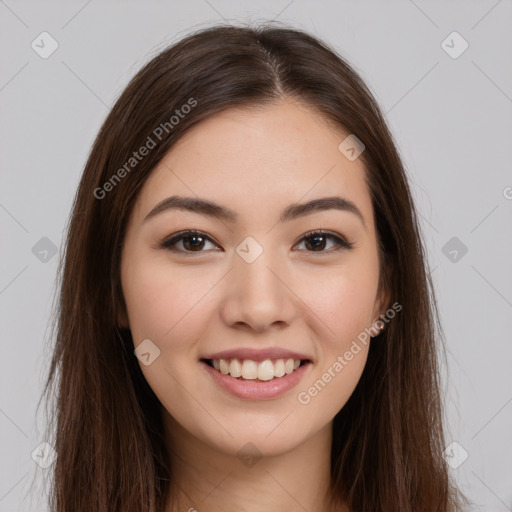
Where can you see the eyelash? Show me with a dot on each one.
(169, 242)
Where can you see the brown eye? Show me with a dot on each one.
(317, 241)
(188, 242)
(191, 241)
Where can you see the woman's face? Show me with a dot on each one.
(253, 288)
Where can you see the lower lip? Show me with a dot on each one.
(257, 389)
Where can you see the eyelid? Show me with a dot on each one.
(168, 242)
(341, 241)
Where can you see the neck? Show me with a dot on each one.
(204, 478)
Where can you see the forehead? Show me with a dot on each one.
(259, 157)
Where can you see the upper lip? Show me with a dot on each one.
(258, 354)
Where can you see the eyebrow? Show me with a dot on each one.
(291, 212)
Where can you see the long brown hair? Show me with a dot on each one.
(105, 422)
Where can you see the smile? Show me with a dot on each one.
(256, 380)
(248, 369)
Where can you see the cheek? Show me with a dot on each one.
(161, 303)
(345, 306)
(351, 307)
(343, 300)
(170, 309)
(332, 385)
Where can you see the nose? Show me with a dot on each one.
(258, 296)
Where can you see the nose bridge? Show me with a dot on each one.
(259, 276)
(257, 294)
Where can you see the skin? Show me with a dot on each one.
(256, 161)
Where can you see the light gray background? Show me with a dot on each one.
(452, 119)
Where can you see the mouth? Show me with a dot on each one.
(252, 380)
(247, 369)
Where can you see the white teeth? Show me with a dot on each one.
(251, 370)
(266, 370)
(224, 366)
(235, 368)
(279, 368)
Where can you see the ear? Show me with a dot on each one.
(381, 303)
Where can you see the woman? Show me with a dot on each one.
(245, 318)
